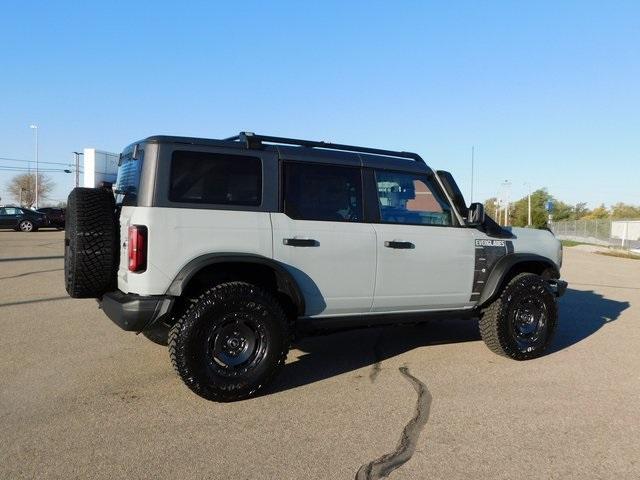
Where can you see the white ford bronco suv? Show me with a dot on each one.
(226, 249)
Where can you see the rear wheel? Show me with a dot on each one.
(231, 342)
(521, 322)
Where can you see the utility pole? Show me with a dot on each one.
(505, 186)
(77, 154)
(528, 185)
(35, 128)
(529, 216)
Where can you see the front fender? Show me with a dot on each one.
(501, 271)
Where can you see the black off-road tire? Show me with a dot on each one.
(224, 308)
(498, 323)
(91, 243)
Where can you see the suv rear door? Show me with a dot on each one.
(425, 261)
(321, 238)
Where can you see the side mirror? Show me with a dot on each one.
(476, 215)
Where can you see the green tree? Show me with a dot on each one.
(580, 210)
(561, 210)
(520, 209)
(490, 207)
(597, 213)
(624, 211)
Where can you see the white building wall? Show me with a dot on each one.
(626, 230)
(99, 166)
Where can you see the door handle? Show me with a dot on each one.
(399, 244)
(300, 242)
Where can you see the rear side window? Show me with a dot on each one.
(200, 177)
(323, 192)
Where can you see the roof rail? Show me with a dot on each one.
(251, 140)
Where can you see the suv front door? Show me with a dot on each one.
(321, 237)
(425, 262)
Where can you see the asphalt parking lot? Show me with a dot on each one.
(80, 398)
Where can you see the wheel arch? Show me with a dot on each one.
(213, 263)
(511, 265)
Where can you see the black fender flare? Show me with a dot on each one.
(502, 268)
(285, 281)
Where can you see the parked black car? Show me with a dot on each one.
(55, 216)
(23, 219)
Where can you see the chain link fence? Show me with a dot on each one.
(623, 234)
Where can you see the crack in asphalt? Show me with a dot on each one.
(22, 259)
(37, 300)
(382, 466)
(31, 273)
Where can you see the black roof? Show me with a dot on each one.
(297, 149)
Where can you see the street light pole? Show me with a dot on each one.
(505, 189)
(35, 128)
(528, 185)
(77, 154)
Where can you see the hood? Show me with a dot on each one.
(537, 241)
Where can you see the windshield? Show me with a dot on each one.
(128, 180)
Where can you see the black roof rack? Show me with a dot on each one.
(251, 140)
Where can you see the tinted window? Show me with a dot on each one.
(198, 177)
(128, 179)
(412, 199)
(323, 192)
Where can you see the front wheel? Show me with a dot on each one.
(231, 342)
(521, 322)
(27, 226)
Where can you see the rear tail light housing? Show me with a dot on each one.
(137, 248)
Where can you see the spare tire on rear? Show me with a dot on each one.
(91, 254)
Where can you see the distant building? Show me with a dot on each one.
(99, 166)
(627, 231)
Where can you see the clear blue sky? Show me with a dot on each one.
(548, 92)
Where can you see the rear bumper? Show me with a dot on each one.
(558, 287)
(135, 312)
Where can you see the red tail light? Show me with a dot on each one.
(137, 248)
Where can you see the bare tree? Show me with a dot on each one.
(23, 188)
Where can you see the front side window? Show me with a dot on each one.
(200, 177)
(322, 192)
(411, 199)
(9, 211)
